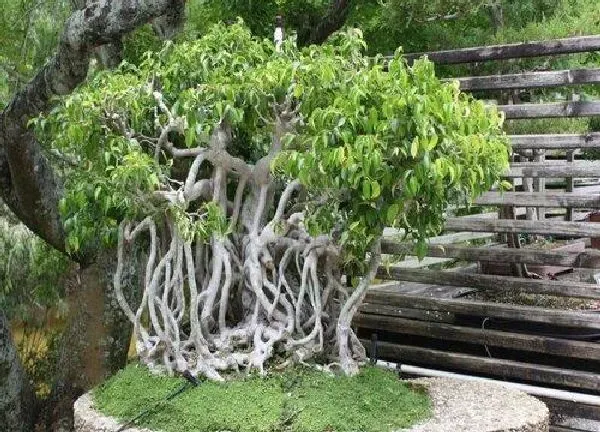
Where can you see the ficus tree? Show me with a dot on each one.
(256, 179)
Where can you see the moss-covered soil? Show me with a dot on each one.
(299, 400)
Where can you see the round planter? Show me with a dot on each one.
(458, 406)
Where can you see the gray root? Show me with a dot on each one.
(293, 304)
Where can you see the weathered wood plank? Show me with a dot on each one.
(573, 229)
(570, 186)
(420, 314)
(492, 282)
(545, 199)
(530, 80)
(588, 259)
(490, 366)
(554, 169)
(571, 409)
(429, 290)
(555, 142)
(508, 51)
(517, 341)
(456, 237)
(555, 428)
(561, 318)
(551, 110)
(414, 262)
(539, 184)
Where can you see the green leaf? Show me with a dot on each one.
(366, 189)
(414, 147)
(190, 137)
(375, 189)
(392, 213)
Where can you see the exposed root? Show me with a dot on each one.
(260, 290)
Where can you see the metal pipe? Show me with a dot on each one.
(529, 389)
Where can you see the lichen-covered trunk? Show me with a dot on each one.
(96, 340)
(17, 400)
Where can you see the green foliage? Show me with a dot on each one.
(301, 400)
(32, 296)
(30, 274)
(386, 148)
(29, 31)
(259, 16)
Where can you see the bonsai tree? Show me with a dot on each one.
(256, 179)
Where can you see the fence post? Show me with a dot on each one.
(278, 34)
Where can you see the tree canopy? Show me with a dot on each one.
(280, 168)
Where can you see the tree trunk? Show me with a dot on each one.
(17, 400)
(497, 15)
(96, 340)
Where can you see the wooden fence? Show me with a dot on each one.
(437, 318)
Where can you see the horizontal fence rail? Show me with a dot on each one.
(539, 199)
(513, 369)
(547, 227)
(554, 170)
(550, 110)
(511, 51)
(530, 80)
(586, 259)
(401, 302)
(489, 282)
(555, 142)
(503, 339)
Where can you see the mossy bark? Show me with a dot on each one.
(96, 340)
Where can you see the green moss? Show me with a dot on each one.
(300, 400)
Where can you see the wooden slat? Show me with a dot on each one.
(508, 51)
(587, 259)
(489, 366)
(551, 110)
(572, 409)
(573, 229)
(419, 314)
(516, 341)
(570, 186)
(555, 428)
(429, 290)
(554, 170)
(492, 282)
(414, 262)
(555, 142)
(561, 318)
(531, 80)
(456, 237)
(545, 199)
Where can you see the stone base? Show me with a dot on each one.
(458, 406)
(469, 406)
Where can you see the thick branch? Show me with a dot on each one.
(27, 181)
(330, 23)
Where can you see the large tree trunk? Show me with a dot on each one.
(96, 340)
(17, 400)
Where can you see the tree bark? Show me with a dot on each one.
(96, 340)
(330, 23)
(17, 400)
